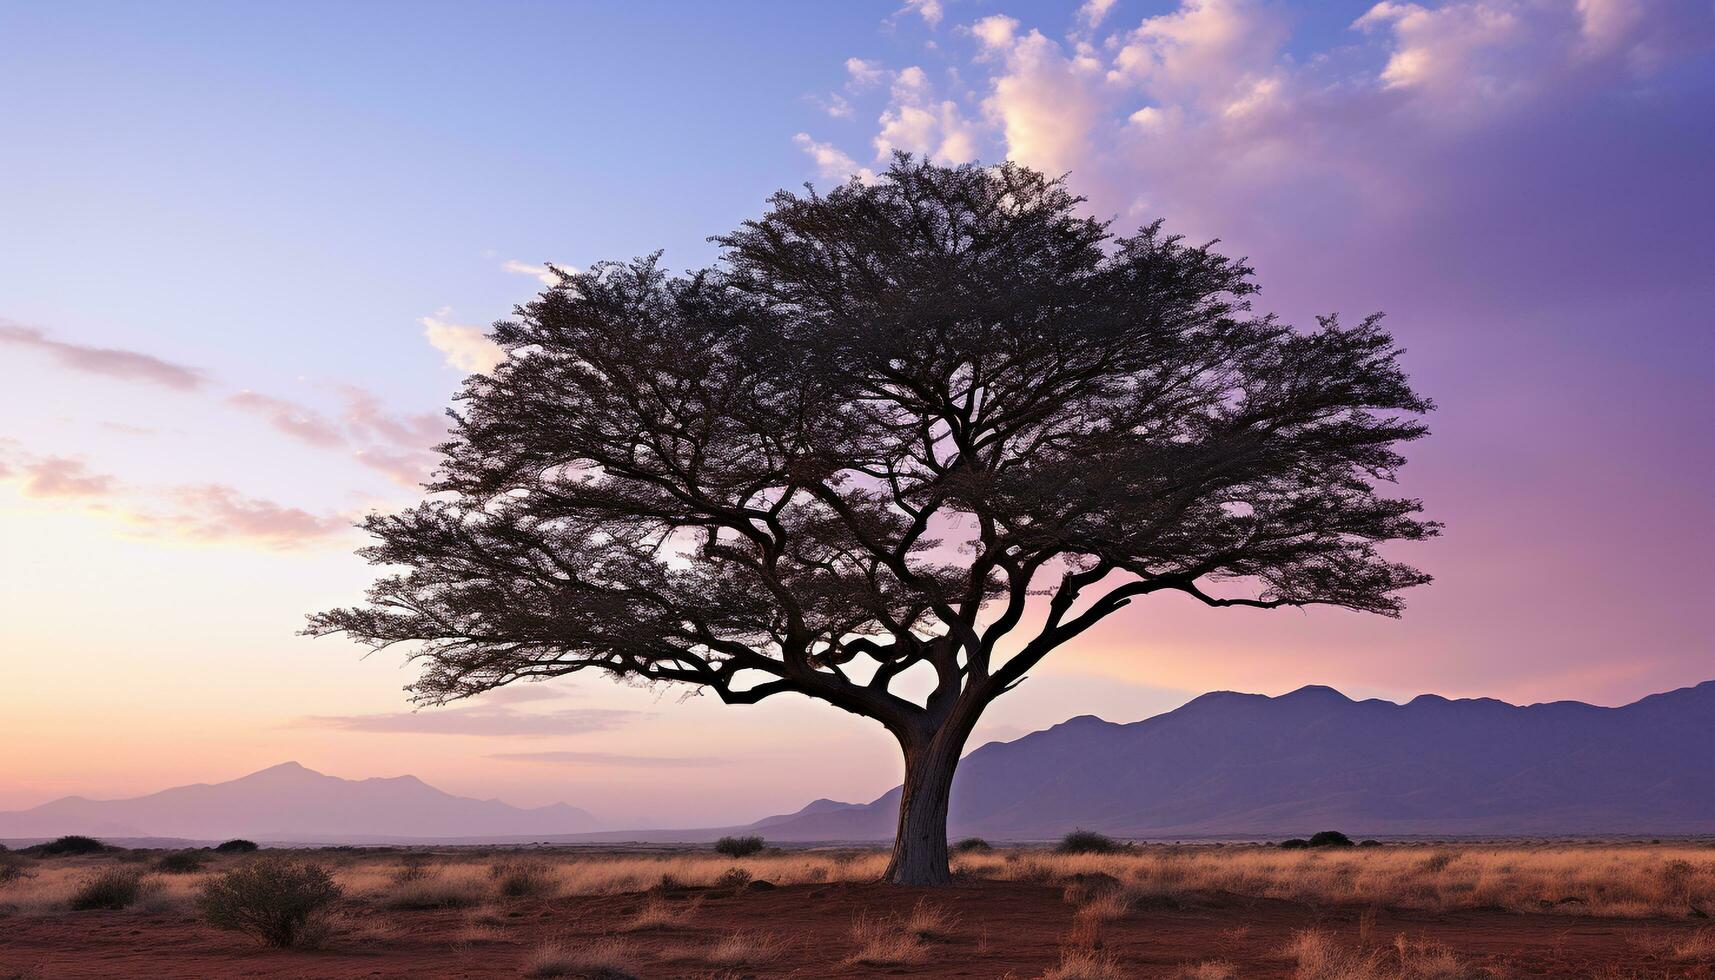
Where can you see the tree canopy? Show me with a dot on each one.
(861, 442)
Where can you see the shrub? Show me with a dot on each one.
(1329, 838)
(972, 845)
(237, 846)
(13, 869)
(71, 844)
(114, 888)
(1088, 842)
(1369, 843)
(738, 847)
(524, 879)
(275, 899)
(181, 863)
(885, 942)
(733, 878)
(1294, 844)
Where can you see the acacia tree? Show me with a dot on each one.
(842, 461)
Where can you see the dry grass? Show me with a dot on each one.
(659, 913)
(1626, 881)
(745, 949)
(1083, 963)
(1319, 956)
(604, 959)
(886, 941)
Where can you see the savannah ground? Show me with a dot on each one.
(1203, 911)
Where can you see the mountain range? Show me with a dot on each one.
(1245, 764)
(288, 802)
(1224, 764)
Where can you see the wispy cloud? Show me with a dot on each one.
(480, 719)
(288, 417)
(112, 362)
(57, 477)
(542, 271)
(464, 347)
(216, 512)
(610, 760)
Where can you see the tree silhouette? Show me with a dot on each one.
(840, 463)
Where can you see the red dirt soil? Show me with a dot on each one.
(997, 928)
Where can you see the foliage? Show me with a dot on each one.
(14, 868)
(738, 847)
(181, 862)
(275, 899)
(972, 845)
(236, 846)
(862, 440)
(70, 845)
(114, 888)
(1089, 842)
(733, 878)
(524, 879)
(1329, 838)
(1294, 844)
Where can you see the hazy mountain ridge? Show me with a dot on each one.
(1228, 763)
(290, 802)
(1222, 764)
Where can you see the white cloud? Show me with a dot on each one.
(1046, 104)
(1093, 12)
(832, 162)
(466, 348)
(930, 10)
(864, 74)
(540, 270)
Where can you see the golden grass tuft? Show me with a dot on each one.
(603, 959)
(886, 941)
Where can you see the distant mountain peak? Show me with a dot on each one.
(291, 802)
(1316, 692)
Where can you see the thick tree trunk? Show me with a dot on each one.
(920, 845)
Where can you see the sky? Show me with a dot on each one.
(247, 252)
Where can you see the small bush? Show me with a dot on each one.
(236, 846)
(72, 844)
(1088, 842)
(181, 863)
(1329, 838)
(972, 845)
(275, 899)
(1369, 843)
(114, 888)
(733, 878)
(738, 847)
(13, 869)
(1294, 844)
(524, 879)
(885, 942)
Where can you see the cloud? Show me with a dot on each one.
(609, 760)
(219, 513)
(294, 420)
(56, 477)
(864, 74)
(464, 347)
(930, 10)
(1047, 103)
(126, 365)
(479, 719)
(1093, 12)
(544, 272)
(831, 162)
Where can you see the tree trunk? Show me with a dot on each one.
(920, 844)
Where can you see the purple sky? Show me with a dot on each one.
(249, 253)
